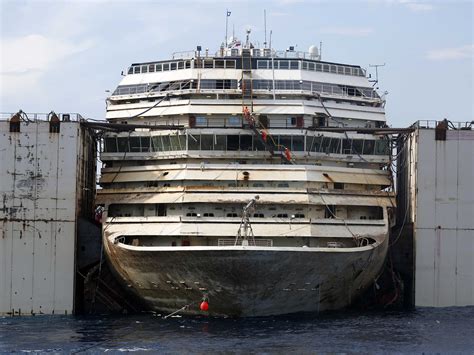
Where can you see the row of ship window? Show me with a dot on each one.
(255, 215)
(245, 143)
(312, 66)
(210, 84)
(280, 64)
(114, 211)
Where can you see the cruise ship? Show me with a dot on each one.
(253, 179)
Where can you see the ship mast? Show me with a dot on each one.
(245, 232)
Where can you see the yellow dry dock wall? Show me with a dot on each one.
(38, 194)
(443, 201)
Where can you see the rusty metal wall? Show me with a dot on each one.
(439, 184)
(42, 183)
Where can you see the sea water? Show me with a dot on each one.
(423, 330)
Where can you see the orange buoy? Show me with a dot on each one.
(204, 306)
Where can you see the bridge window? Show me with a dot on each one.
(207, 142)
(298, 143)
(201, 121)
(219, 143)
(233, 142)
(122, 143)
(357, 145)
(110, 145)
(369, 146)
(245, 142)
(382, 147)
(334, 145)
(313, 144)
(134, 143)
(262, 64)
(234, 121)
(230, 64)
(330, 211)
(145, 144)
(284, 64)
(194, 141)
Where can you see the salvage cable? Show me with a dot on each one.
(204, 306)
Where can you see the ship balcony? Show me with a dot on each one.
(235, 143)
(202, 231)
(285, 89)
(277, 242)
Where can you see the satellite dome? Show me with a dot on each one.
(313, 51)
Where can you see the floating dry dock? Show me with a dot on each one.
(435, 189)
(47, 189)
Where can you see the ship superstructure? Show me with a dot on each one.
(203, 136)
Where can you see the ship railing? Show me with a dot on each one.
(227, 242)
(295, 55)
(34, 117)
(268, 53)
(184, 55)
(451, 125)
(329, 91)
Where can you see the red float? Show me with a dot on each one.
(204, 306)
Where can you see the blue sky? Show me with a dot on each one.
(64, 55)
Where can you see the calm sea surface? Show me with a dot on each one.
(423, 330)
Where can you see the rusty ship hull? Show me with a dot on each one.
(245, 281)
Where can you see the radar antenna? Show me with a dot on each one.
(376, 66)
(245, 233)
(247, 38)
(265, 27)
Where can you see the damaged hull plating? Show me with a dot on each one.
(260, 195)
(247, 281)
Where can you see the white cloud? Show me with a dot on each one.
(418, 7)
(25, 59)
(348, 31)
(36, 52)
(462, 52)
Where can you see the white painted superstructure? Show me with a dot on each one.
(203, 135)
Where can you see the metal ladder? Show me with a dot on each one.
(247, 103)
(246, 81)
